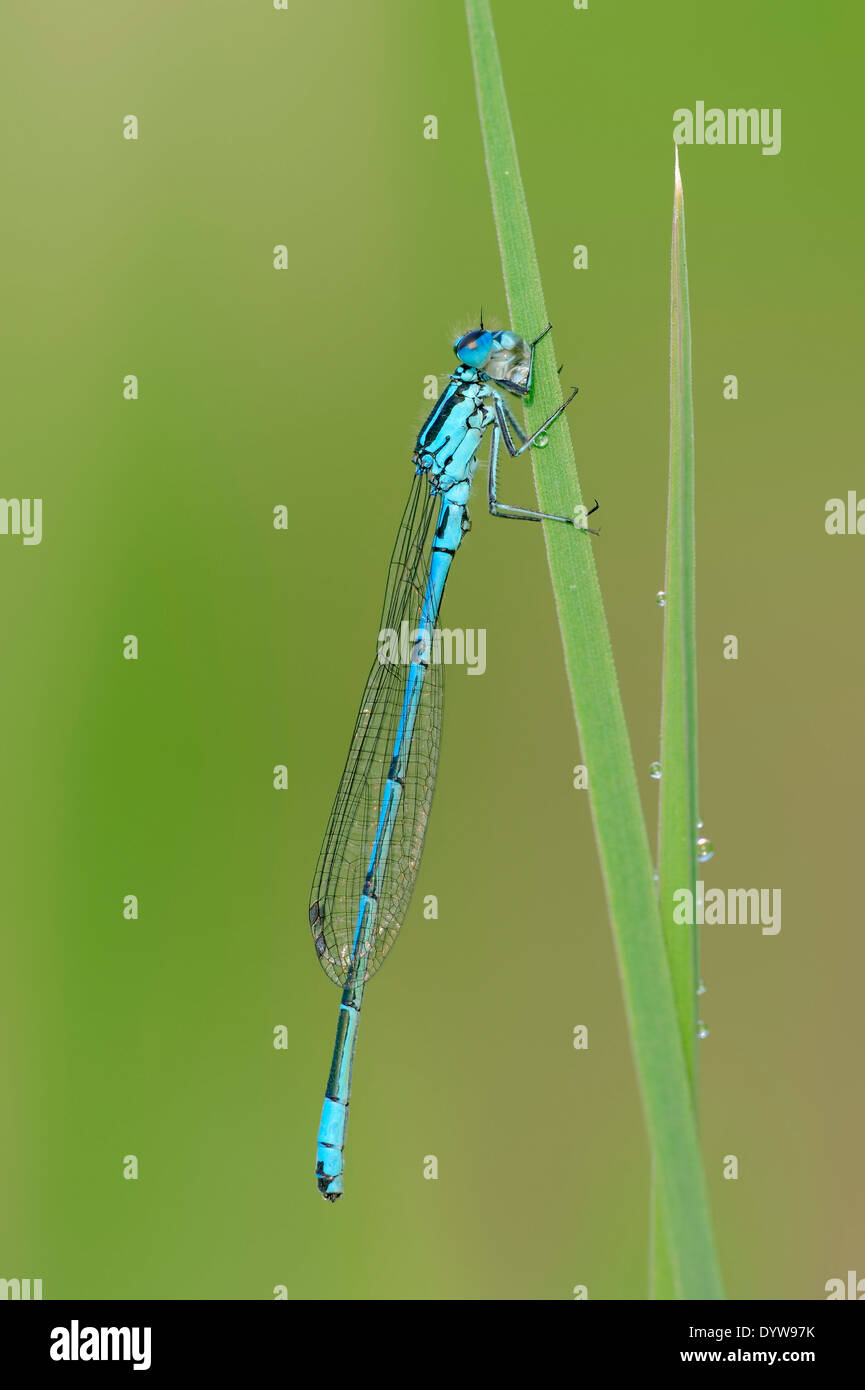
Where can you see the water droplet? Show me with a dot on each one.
(701, 988)
(699, 825)
(542, 441)
(705, 850)
(655, 771)
(661, 598)
(702, 1030)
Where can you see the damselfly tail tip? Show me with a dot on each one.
(329, 1184)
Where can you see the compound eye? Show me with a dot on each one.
(474, 348)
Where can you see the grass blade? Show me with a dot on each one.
(677, 856)
(619, 825)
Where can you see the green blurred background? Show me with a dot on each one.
(305, 387)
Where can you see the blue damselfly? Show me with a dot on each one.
(371, 852)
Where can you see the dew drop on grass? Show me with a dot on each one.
(661, 598)
(701, 988)
(542, 441)
(705, 850)
(655, 771)
(702, 1030)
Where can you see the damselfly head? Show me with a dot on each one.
(500, 354)
(474, 348)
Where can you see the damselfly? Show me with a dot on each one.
(371, 852)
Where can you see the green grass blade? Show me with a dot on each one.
(677, 857)
(679, 814)
(619, 825)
